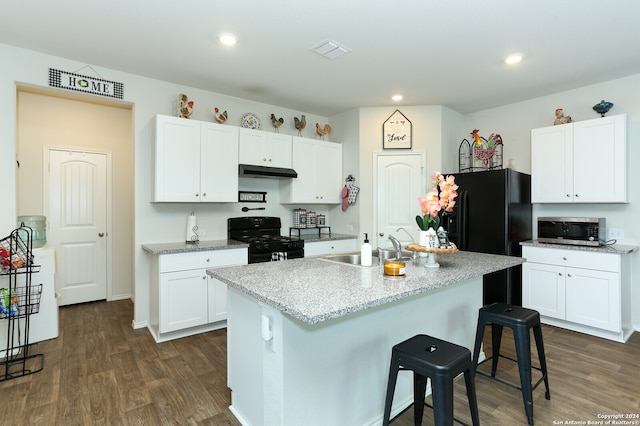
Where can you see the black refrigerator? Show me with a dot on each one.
(493, 215)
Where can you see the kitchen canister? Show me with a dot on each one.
(38, 225)
(312, 220)
(299, 218)
(321, 219)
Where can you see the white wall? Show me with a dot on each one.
(515, 121)
(153, 222)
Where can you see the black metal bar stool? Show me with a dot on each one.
(520, 320)
(440, 361)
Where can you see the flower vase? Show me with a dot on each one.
(424, 242)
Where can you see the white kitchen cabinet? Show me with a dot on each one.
(320, 248)
(262, 148)
(195, 161)
(579, 290)
(184, 299)
(581, 162)
(319, 167)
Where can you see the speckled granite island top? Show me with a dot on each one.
(314, 290)
(614, 248)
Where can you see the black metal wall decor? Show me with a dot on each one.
(396, 132)
(484, 155)
(82, 83)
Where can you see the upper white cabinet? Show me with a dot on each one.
(261, 148)
(581, 162)
(195, 161)
(319, 167)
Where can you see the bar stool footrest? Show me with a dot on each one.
(504, 382)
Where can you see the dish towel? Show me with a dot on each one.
(345, 198)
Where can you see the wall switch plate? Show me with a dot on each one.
(615, 234)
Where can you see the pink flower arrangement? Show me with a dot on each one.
(437, 202)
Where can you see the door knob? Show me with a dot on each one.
(100, 234)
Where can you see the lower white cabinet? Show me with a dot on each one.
(186, 300)
(321, 248)
(584, 291)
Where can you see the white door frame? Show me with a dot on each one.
(376, 155)
(45, 201)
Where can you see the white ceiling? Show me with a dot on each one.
(434, 52)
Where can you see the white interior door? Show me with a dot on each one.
(77, 216)
(400, 180)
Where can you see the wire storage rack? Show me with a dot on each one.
(19, 299)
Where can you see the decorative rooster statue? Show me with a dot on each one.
(561, 118)
(322, 131)
(185, 106)
(476, 138)
(300, 123)
(220, 117)
(277, 122)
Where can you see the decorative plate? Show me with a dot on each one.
(250, 121)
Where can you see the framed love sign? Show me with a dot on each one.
(396, 132)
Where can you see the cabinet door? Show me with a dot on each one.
(329, 172)
(279, 150)
(600, 160)
(219, 163)
(543, 289)
(253, 147)
(319, 248)
(177, 159)
(217, 297)
(303, 188)
(182, 300)
(552, 164)
(593, 298)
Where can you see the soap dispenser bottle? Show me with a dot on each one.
(365, 252)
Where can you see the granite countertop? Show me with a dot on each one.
(314, 290)
(614, 249)
(183, 247)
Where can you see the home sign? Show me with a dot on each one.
(396, 132)
(82, 83)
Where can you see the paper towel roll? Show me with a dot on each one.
(192, 229)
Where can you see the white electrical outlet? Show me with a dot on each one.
(615, 233)
(349, 227)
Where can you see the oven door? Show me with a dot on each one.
(276, 256)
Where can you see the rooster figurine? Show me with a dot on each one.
(220, 117)
(561, 118)
(185, 106)
(322, 131)
(476, 138)
(300, 123)
(277, 122)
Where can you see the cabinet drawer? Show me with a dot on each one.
(572, 258)
(329, 247)
(202, 259)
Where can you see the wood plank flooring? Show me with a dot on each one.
(100, 371)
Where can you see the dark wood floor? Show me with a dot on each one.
(101, 371)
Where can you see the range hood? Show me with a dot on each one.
(249, 170)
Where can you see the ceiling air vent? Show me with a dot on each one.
(330, 49)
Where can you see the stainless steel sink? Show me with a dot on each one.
(348, 258)
(354, 258)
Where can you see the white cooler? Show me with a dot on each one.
(44, 324)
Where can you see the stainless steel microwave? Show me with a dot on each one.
(580, 231)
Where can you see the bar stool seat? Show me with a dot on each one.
(441, 361)
(521, 321)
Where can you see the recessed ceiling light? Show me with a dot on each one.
(228, 39)
(513, 59)
(396, 97)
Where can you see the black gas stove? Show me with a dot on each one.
(262, 233)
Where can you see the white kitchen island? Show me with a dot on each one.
(309, 341)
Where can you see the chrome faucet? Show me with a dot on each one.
(414, 255)
(406, 232)
(397, 246)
